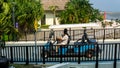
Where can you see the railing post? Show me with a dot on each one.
(43, 55)
(115, 52)
(70, 32)
(78, 54)
(94, 33)
(73, 35)
(11, 53)
(96, 65)
(60, 54)
(27, 57)
(104, 36)
(44, 35)
(114, 33)
(35, 47)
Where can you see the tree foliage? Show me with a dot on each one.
(25, 13)
(79, 11)
(5, 18)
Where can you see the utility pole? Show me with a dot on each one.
(36, 28)
(13, 17)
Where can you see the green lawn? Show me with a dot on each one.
(22, 66)
(30, 65)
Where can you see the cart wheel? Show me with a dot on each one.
(46, 55)
(89, 54)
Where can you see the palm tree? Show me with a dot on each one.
(26, 13)
(53, 9)
(6, 24)
(79, 11)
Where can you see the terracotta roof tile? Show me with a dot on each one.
(59, 3)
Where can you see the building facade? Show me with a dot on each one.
(48, 18)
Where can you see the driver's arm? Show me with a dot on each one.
(59, 38)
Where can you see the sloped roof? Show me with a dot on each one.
(59, 3)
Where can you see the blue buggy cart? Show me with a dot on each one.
(82, 48)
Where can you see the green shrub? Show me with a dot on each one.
(45, 26)
(6, 37)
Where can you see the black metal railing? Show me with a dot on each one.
(108, 33)
(103, 52)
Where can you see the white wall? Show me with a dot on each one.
(49, 19)
(88, 25)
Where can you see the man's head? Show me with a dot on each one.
(65, 31)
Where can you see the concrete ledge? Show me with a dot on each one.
(32, 43)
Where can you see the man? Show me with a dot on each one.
(51, 33)
(84, 37)
(62, 40)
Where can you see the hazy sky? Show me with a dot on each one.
(106, 5)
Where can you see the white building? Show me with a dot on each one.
(48, 16)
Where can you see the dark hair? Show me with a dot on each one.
(65, 31)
